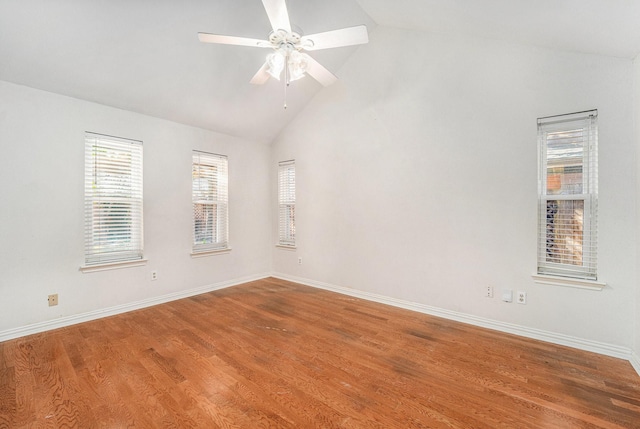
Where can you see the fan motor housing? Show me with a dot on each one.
(284, 40)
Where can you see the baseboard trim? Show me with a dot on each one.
(635, 362)
(537, 334)
(552, 337)
(65, 321)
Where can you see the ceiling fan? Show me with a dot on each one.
(288, 47)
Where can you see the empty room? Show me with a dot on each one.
(319, 214)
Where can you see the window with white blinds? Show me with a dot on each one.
(568, 195)
(210, 198)
(287, 203)
(113, 199)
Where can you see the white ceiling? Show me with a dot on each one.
(604, 27)
(144, 55)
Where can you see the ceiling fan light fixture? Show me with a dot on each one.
(275, 63)
(297, 64)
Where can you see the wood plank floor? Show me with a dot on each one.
(271, 354)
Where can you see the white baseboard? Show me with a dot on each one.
(635, 362)
(538, 334)
(552, 337)
(62, 322)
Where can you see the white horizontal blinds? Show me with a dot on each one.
(568, 195)
(287, 203)
(113, 199)
(210, 198)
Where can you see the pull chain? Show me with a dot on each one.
(285, 94)
(286, 79)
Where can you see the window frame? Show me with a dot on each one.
(287, 204)
(215, 236)
(115, 178)
(554, 272)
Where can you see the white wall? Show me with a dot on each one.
(417, 179)
(41, 215)
(636, 114)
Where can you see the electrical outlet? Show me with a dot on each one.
(488, 292)
(53, 300)
(507, 295)
(154, 275)
(522, 297)
(300, 261)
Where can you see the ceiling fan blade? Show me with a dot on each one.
(262, 76)
(333, 39)
(319, 72)
(278, 15)
(233, 40)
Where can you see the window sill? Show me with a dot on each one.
(205, 253)
(285, 247)
(568, 282)
(113, 266)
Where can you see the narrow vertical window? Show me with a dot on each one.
(113, 199)
(287, 203)
(210, 196)
(568, 195)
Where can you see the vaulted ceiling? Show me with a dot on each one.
(144, 55)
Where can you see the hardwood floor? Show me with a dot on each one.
(275, 354)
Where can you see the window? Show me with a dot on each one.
(568, 195)
(210, 198)
(287, 203)
(113, 199)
